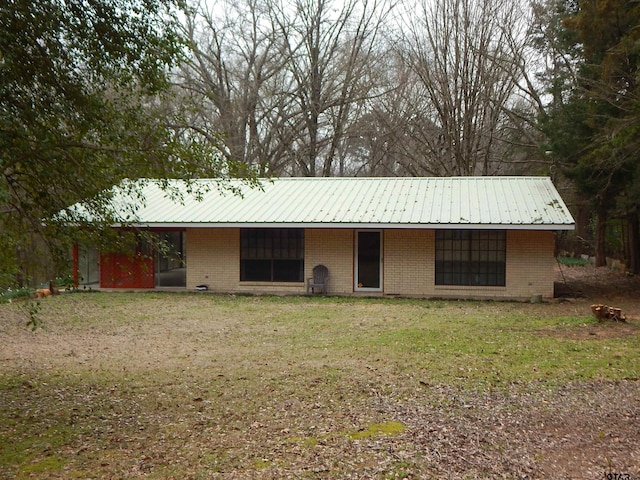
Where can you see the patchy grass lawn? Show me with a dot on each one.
(162, 385)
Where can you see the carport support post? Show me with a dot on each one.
(75, 267)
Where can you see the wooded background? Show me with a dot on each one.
(94, 92)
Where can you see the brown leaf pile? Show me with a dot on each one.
(579, 431)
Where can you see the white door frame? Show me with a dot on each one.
(356, 287)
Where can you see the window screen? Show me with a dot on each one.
(471, 257)
(272, 254)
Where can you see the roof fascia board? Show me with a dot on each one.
(438, 226)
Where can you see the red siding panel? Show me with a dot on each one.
(120, 270)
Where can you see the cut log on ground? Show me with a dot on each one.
(606, 313)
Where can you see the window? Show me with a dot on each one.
(471, 257)
(272, 254)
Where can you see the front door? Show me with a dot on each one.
(368, 261)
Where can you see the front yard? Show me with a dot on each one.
(162, 385)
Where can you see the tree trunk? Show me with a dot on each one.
(601, 235)
(633, 221)
(583, 230)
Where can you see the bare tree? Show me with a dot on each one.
(385, 140)
(281, 81)
(331, 53)
(234, 82)
(461, 53)
(312, 87)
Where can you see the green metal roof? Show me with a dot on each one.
(391, 202)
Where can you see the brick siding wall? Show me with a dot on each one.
(213, 258)
(409, 262)
(530, 263)
(334, 249)
(408, 256)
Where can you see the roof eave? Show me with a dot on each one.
(410, 226)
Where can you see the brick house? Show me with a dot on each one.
(462, 237)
